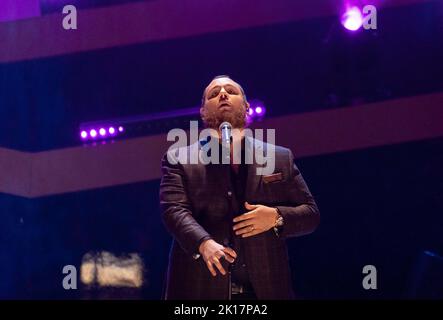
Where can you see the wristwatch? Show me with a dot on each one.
(279, 222)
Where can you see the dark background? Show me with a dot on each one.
(381, 206)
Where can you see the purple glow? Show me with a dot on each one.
(352, 19)
(257, 110)
(111, 130)
(120, 129)
(11, 10)
(102, 132)
(93, 133)
(83, 134)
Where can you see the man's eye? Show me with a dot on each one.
(232, 91)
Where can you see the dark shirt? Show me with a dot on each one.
(239, 272)
(238, 176)
(238, 179)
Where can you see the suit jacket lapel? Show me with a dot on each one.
(216, 172)
(254, 182)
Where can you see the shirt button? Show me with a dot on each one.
(229, 194)
(243, 265)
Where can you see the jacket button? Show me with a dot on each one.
(229, 194)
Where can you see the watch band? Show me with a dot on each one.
(279, 222)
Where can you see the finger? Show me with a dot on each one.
(250, 234)
(245, 230)
(211, 268)
(230, 252)
(219, 266)
(245, 216)
(229, 258)
(249, 206)
(242, 224)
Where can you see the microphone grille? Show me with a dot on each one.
(225, 125)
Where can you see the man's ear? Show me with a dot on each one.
(202, 112)
(247, 105)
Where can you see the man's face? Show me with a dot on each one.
(224, 102)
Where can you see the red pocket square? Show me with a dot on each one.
(273, 177)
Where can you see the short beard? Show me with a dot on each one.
(213, 120)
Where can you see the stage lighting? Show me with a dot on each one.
(257, 110)
(352, 19)
(100, 131)
(154, 123)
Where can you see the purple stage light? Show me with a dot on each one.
(101, 132)
(352, 19)
(257, 110)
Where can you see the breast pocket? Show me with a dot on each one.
(275, 191)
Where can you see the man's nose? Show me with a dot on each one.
(223, 93)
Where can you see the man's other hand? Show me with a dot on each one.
(212, 252)
(259, 219)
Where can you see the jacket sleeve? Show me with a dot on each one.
(176, 210)
(304, 217)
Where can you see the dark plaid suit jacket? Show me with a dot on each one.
(194, 201)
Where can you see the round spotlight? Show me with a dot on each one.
(111, 130)
(352, 19)
(93, 133)
(258, 110)
(120, 129)
(102, 132)
(83, 134)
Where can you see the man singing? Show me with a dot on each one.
(230, 223)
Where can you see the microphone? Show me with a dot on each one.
(225, 129)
